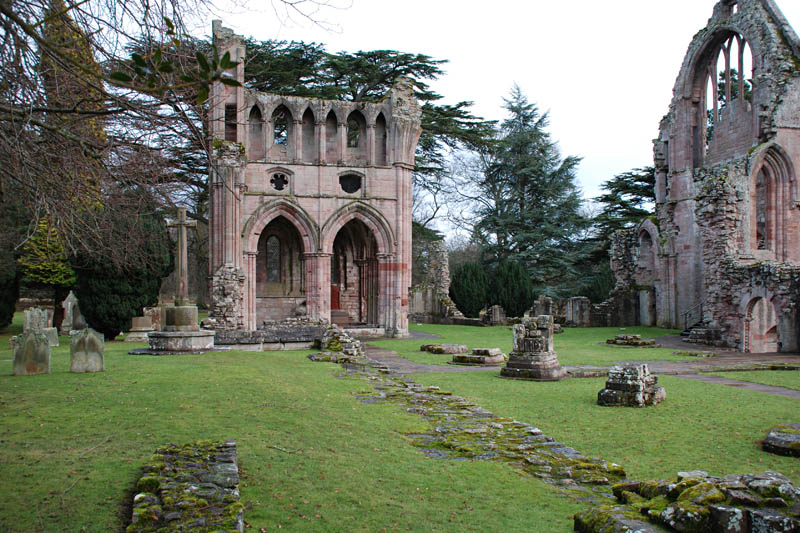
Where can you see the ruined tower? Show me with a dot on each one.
(310, 204)
(724, 248)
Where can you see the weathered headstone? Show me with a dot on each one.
(140, 327)
(533, 356)
(31, 354)
(783, 440)
(38, 320)
(481, 356)
(86, 351)
(69, 303)
(631, 386)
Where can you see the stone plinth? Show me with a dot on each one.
(533, 357)
(631, 386)
(140, 327)
(180, 318)
(31, 354)
(481, 356)
(86, 351)
(783, 440)
(495, 316)
(631, 340)
(167, 342)
(443, 348)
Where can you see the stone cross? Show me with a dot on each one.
(182, 277)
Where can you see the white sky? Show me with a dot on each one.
(604, 70)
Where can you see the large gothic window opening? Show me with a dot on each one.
(280, 286)
(354, 276)
(331, 138)
(380, 140)
(281, 133)
(773, 216)
(725, 113)
(309, 146)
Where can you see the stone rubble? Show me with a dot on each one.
(533, 357)
(631, 386)
(481, 356)
(783, 440)
(444, 348)
(697, 502)
(193, 487)
(338, 347)
(632, 340)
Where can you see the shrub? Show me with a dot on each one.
(511, 288)
(468, 288)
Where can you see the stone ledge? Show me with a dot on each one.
(193, 487)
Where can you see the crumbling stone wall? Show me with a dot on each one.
(429, 301)
(724, 238)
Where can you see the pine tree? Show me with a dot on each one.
(533, 216)
(510, 287)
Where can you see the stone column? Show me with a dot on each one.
(371, 144)
(298, 141)
(319, 131)
(341, 142)
(250, 297)
(318, 285)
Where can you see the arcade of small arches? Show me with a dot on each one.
(276, 132)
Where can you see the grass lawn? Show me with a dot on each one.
(314, 458)
(576, 346)
(789, 379)
(699, 426)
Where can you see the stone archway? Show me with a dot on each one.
(279, 272)
(355, 287)
(760, 327)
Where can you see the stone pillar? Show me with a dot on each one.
(341, 143)
(533, 357)
(371, 144)
(249, 306)
(319, 132)
(318, 285)
(298, 141)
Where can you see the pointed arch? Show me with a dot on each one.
(381, 138)
(371, 218)
(256, 147)
(271, 210)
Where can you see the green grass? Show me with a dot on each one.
(576, 346)
(314, 458)
(699, 426)
(789, 379)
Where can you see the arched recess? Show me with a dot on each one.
(381, 138)
(646, 273)
(256, 145)
(371, 218)
(355, 275)
(774, 213)
(309, 146)
(282, 134)
(760, 333)
(269, 211)
(356, 138)
(725, 113)
(332, 138)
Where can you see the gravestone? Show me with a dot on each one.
(631, 386)
(38, 320)
(69, 303)
(533, 357)
(31, 354)
(86, 351)
(140, 327)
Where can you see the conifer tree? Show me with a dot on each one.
(469, 288)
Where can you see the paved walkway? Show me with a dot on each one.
(726, 360)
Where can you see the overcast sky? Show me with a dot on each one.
(604, 70)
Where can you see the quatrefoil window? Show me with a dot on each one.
(279, 181)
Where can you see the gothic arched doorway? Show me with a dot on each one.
(354, 276)
(280, 284)
(761, 327)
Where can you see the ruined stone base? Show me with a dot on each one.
(288, 335)
(480, 357)
(178, 342)
(631, 386)
(783, 440)
(193, 487)
(543, 367)
(180, 318)
(698, 502)
(632, 340)
(138, 335)
(444, 348)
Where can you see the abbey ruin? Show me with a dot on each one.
(722, 253)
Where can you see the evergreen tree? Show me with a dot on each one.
(9, 282)
(511, 288)
(111, 295)
(628, 199)
(469, 288)
(533, 213)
